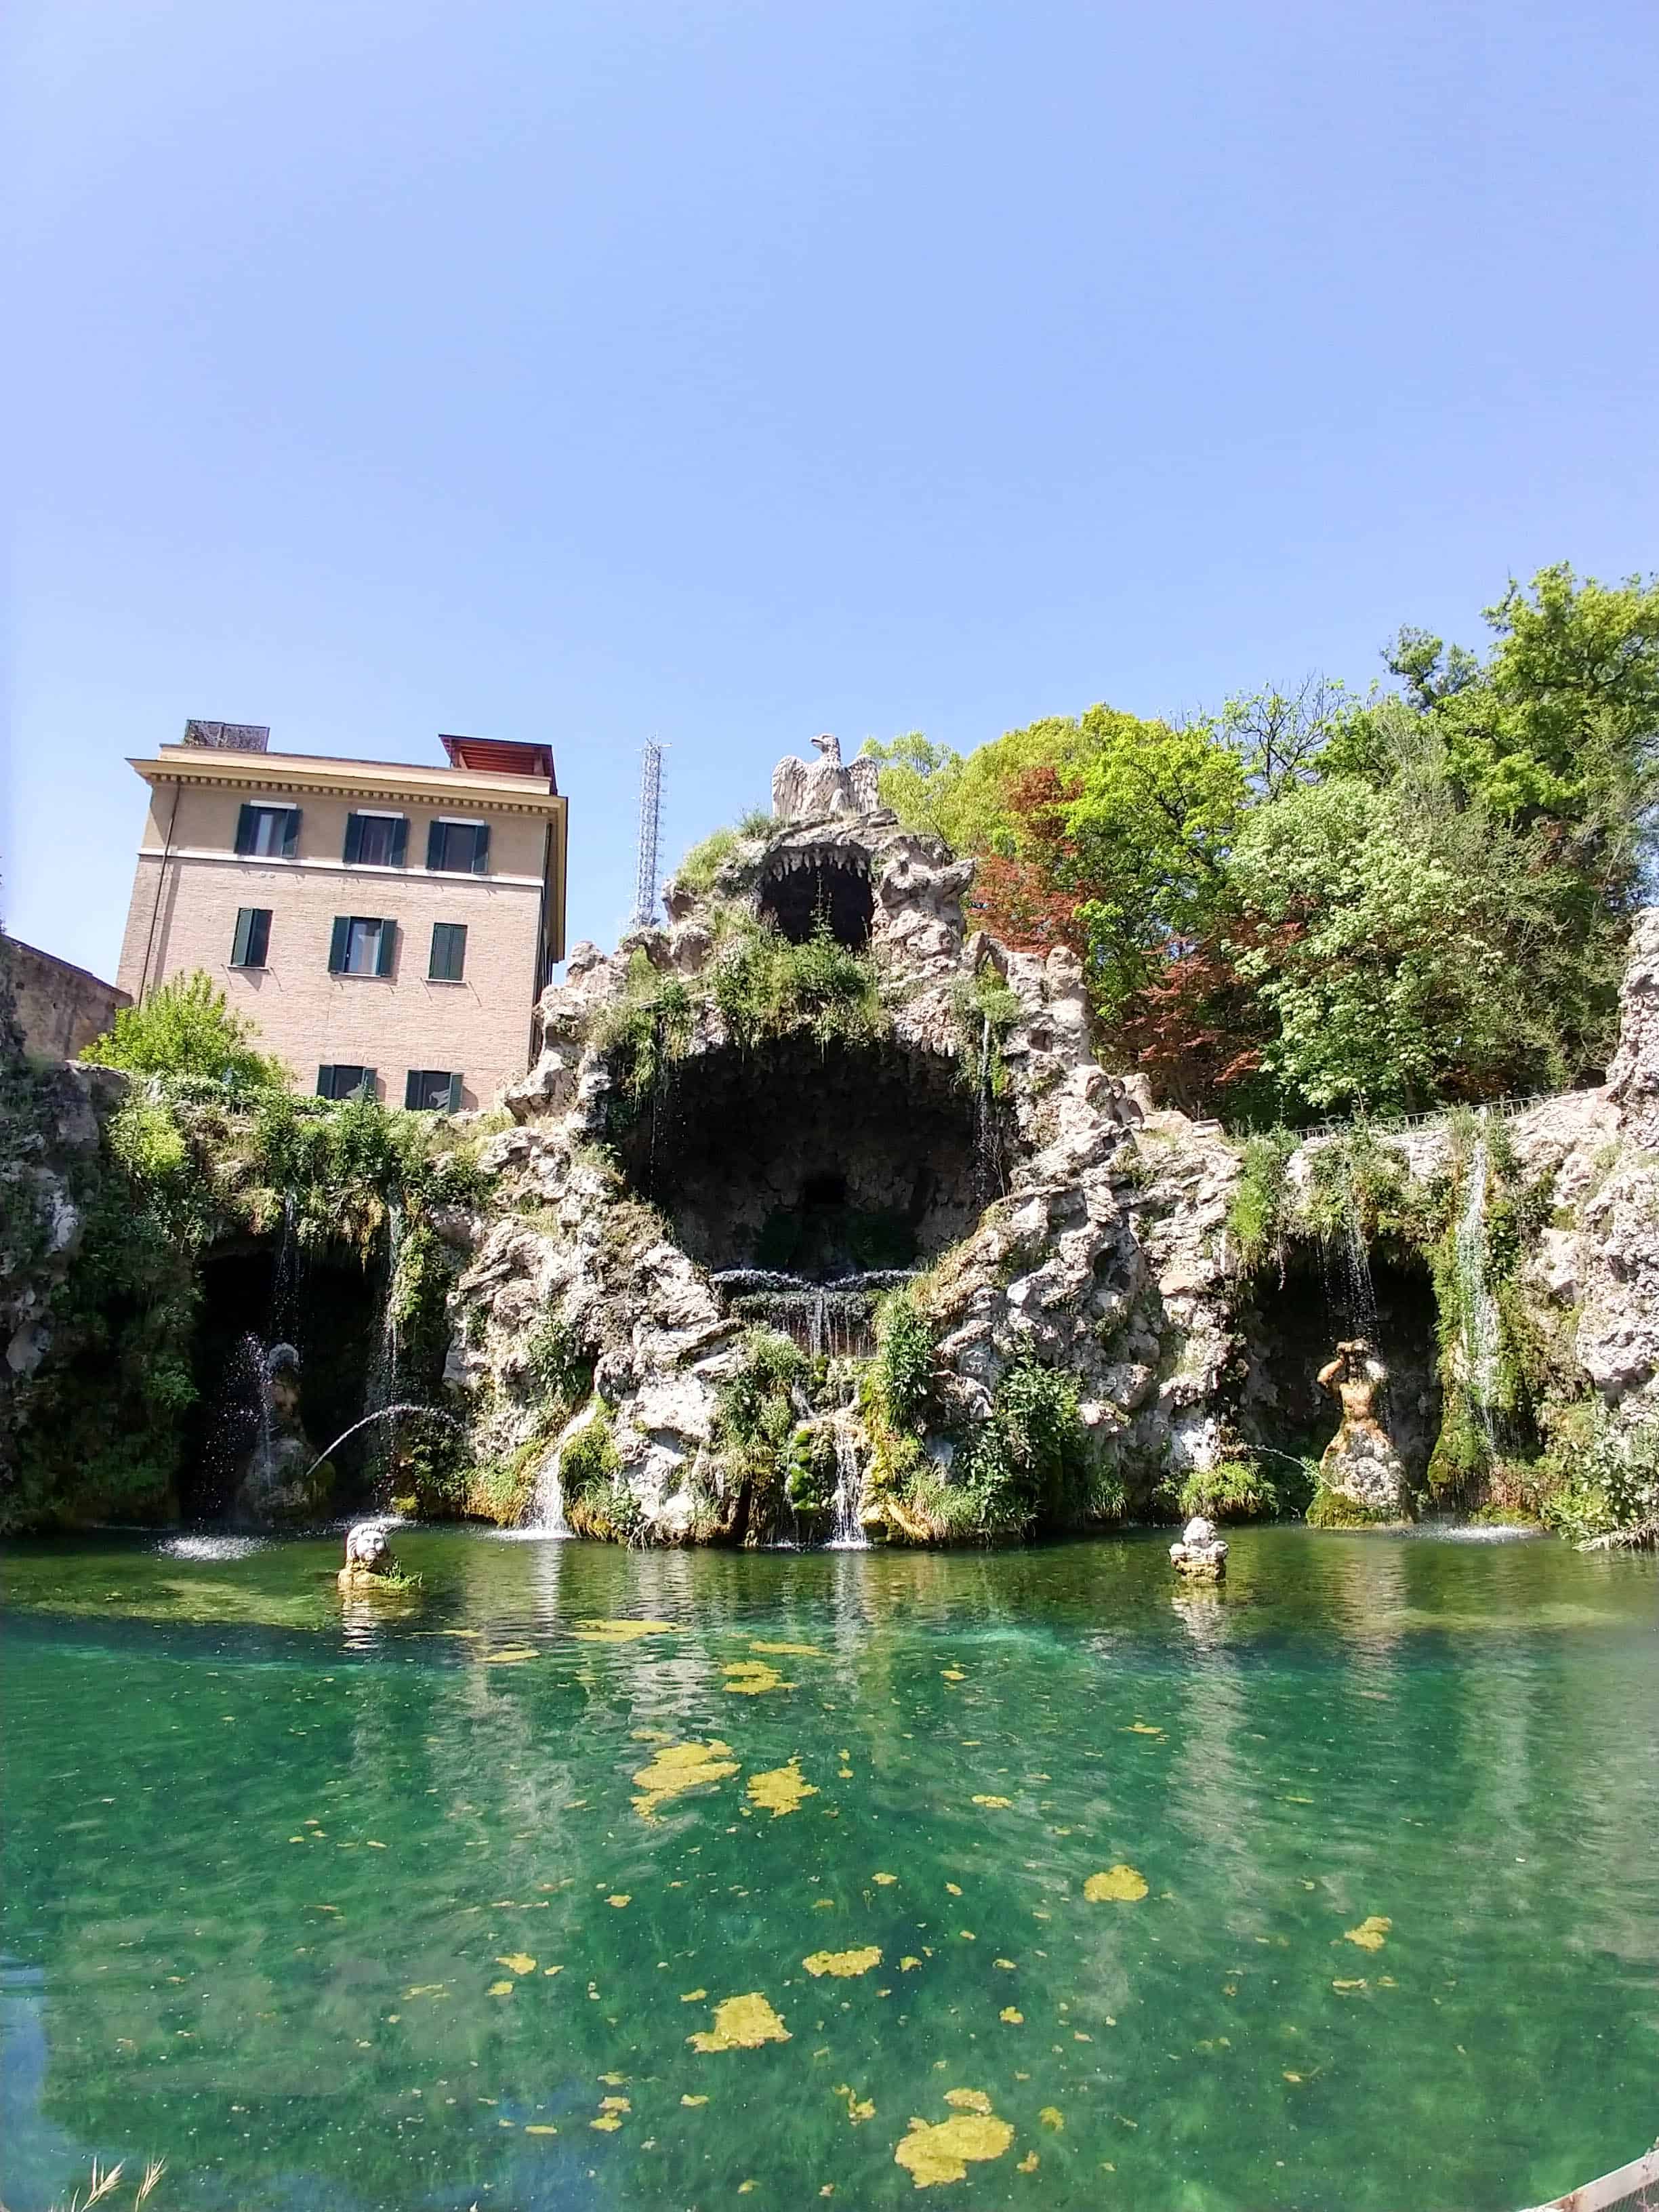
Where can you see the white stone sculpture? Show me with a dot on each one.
(812, 791)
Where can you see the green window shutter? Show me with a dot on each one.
(412, 1089)
(400, 853)
(481, 851)
(244, 820)
(291, 834)
(337, 951)
(454, 1094)
(239, 943)
(388, 946)
(325, 1083)
(435, 844)
(354, 840)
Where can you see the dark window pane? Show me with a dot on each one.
(432, 1090)
(375, 841)
(253, 938)
(341, 1082)
(448, 962)
(459, 847)
(267, 833)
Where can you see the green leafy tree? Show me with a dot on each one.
(187, 1027)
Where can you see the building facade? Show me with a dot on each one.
(385, 926)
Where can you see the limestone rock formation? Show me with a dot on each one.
(671, 1146)
(1199, 1556)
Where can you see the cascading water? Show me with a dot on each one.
(848, 1535)
(833, 1319)
(1477, 1316)
(988, 1149)
(546, 1516)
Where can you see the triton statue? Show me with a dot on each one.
(812, 791)
(1360, 1461)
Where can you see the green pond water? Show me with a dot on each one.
(287, 1879)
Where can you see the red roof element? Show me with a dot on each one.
(500, 756)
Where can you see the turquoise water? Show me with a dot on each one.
(285, 1881)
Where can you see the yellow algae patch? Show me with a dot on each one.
(1140, 1728)
(843, 1965)
(677, 1768)
(608, 2120)
(1370, 1933)
(741, 2024)
(511, 1655)
(944, 2151)
(615, 2105)
(621, 1631)
(749, 1677)
(531, 2130)
(520, 1962)
(1015, 2018)
(905, 1964)
(951, 1674)
(1052, 2116)
(1359, 1985)
(999, 1804)
(885, 1880)
(967, 2101)
(1029, 2164)
(787, 1651)
(694, 1997)
(859, 2109)
(1119, 1885)
(693, 2102)
(620, 1899)
(780, 1790)
(1007, 1963)
(500, 1989)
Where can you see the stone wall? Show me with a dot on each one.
(59, 1007)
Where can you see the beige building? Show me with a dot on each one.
(385, 925)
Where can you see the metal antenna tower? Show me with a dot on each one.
(645, 873)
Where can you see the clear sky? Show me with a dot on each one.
(734, 372)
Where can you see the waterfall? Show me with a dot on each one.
(380, 1391)
(849, 1534)
(988, 1151)
(1478, 1318)
(546, 1514)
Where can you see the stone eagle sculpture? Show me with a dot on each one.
(811, 791)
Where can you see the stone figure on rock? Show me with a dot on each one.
(1200, 1555)
(1359, 1462)
(368, 1557)
(813, 791)
(280, 1483)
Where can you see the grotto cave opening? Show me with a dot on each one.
(813, 1165)
(256, 1294)
(827, 886)
(1290, 1328)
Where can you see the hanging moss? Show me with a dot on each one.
(1259, 1215)
(1330, 1509)
(985, 1011)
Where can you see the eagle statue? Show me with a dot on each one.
(812, 791)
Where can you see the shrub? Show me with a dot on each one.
(1257, 1216)
(186, 1028)
(902, 1371)
(1235, 1490)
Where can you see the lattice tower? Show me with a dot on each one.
(645, 873)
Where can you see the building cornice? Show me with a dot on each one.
(305, 773)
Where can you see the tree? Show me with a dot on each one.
(187, 1027)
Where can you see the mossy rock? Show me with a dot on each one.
(1331, 1508)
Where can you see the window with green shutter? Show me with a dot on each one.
(433, 1091)
(362, 944)
(342, 1082)
(376, 841)
(448, 961)
(252, 939)
(459, 847)
(268, 833)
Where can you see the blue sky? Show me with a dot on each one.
(732, 372)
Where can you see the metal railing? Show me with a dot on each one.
(1503, 1109)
